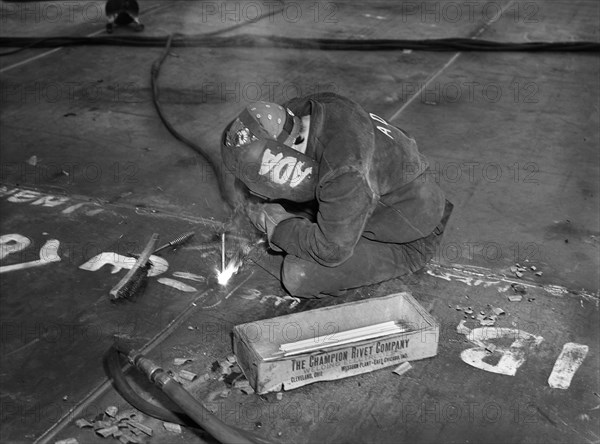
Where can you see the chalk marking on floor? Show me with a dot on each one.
(178, 285)
(294, 301)
(448, 63)
(30, 59)
(472, 275)
(425, 85)
(118, 262)
(12, 243)
(48, 255)
(511, 357)
(570, 359)
(475, 276)
(72, 208)
(23, 347)
(190, 276)
(23, 195)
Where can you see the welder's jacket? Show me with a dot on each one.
(372, 182)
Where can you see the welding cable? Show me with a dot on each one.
(226, 184)
(253, 41)
(155, 73)
(226, 188)
(115, 373)
(193, 413)
(22, 48)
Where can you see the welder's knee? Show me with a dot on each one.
(295, 277)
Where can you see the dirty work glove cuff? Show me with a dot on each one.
(265, 217)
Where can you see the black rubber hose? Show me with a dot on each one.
(115, 373)
(253, 41)
(22, 48)
(155, 72)
(213, 425)
(193, 415)
(229, 193)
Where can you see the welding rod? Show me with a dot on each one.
(222, 252)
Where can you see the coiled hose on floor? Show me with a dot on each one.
(193, 413)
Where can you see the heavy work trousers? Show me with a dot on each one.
(371, 263)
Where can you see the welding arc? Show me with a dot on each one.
(193, 413)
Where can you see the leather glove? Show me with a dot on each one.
(265, 217)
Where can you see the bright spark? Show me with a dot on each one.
(231, 269)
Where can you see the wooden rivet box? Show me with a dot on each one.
(328, 343)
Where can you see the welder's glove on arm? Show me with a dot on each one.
(265, 217)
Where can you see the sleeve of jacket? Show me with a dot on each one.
(345, 204)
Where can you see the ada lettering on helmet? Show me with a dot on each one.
(272, 170)
(282, 169)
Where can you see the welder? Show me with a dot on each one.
(344, 194)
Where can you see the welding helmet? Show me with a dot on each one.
(272, 121)
(258, 156)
